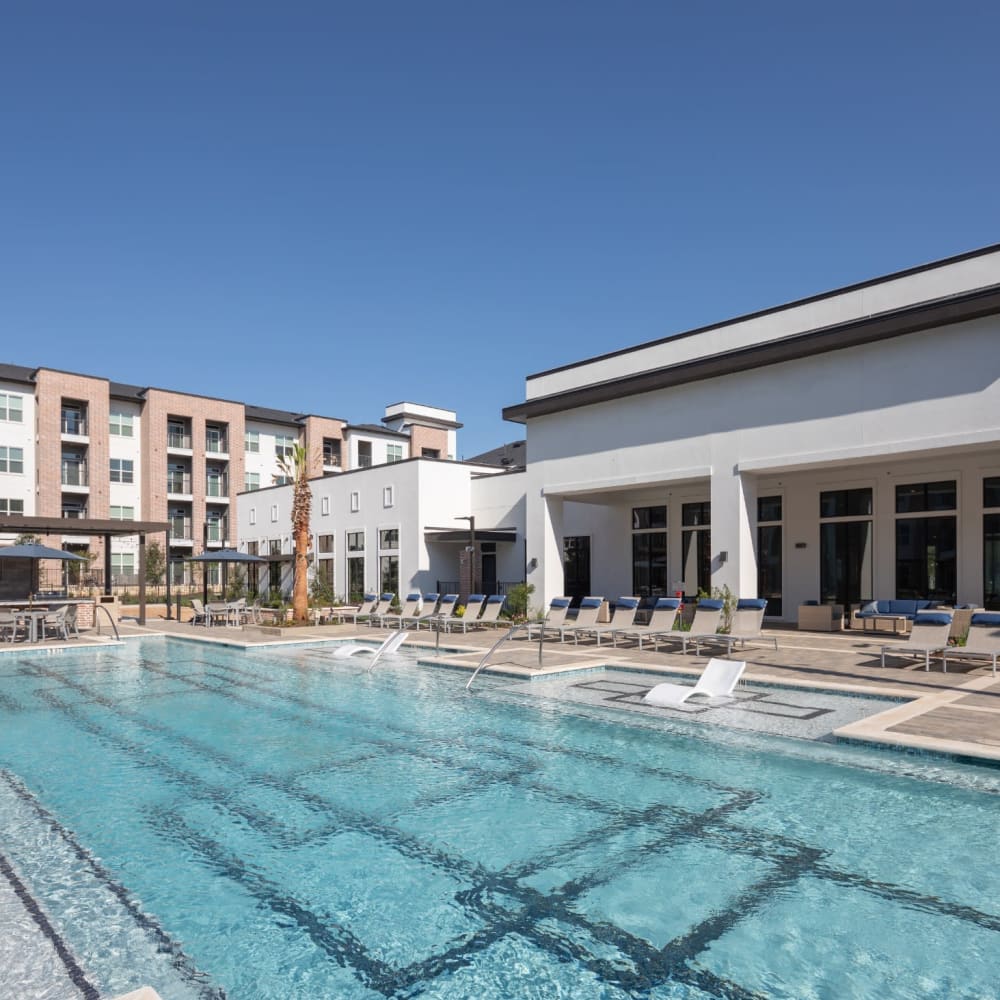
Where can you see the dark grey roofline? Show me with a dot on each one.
(17, 373)
(429, 421)
(375, 429)
(870, 329)
(371, 468)
(868, 283)
(120, 390)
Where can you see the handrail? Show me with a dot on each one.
(101, 607)
(507, 635)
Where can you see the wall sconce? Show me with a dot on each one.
(532, 563)
(723, 557)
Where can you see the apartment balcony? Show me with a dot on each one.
(179, 487)
(216, 533)
(217, 446)
(179, 443)
(75, 478)
(217, 489)
(181, 531)
(73, 428)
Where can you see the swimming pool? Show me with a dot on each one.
(279, 824)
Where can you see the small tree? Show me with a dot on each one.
(295, 468)
(28, 539)
(237, 586)
(517, 600)
(156, 564)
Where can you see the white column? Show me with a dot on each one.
(734, 520)
(545, 547)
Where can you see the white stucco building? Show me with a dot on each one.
(839, 448)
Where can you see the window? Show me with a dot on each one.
(11, 407)
(12, 460)
(769, 553)
(846, 503)
(430, 452)
(355, 541)
(123, 564)
(355, 502)
(122, 513)
(394, 453)
(74, 418)
(253, 515)
(576, 566)
(696, 547)
(926, 567)
(11, 506)
(122, 470)
(325, 544)
(991, 561)
(991, 491)
(649, 551)
(274, 512)
(324, 573)
(389, 574)
(274, 547)
(284, 445)
(74, 508)
(356, 578)
(324, 506)
(364, 454)
(281, 480)
(388, 538)
(696, 514)
(216, 440)
(177, 434)
(251, 481)
(121, 424)
(387, 496)
(251, 441)
(918, 497)
(331, 452)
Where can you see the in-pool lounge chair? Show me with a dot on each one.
(717, 680)
(747, 621)
(928, 635)
(444, 610)
(661, 622)
(389, 645)
(586, 617)
(472, 608)
(408, 614)
(554, 617)
(981, 641)
(353, 615)
(624, 608)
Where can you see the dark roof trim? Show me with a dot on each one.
(80, 526)
(871, 329)
(918, 269)
(375, 429)
(462, 536)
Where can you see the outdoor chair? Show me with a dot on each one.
(71, 622)
(409, 612)
(200, 617)
(554, 617)
(928, 635)
(717, 680)
(472, 608)
(389, 645)
(491, 613)
(381, 609)
(55, 622)
(624, 606)
(704, 625)
(661, 622)
(367, 606)
(10, 624)
(586, 617)
(748, 618)
(444, 610)
(982, 640)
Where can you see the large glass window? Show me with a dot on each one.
(846, 503)
(10, 506)
(388, 538)
(925, 559)
(576, 566)
(325, 544)
(355, 541)
(696, 547)
(121, 424)
(917, 497)
(355, 579)
(644, 518)
(284, 445)
(251, 441)
(846, 560)
(251, 481)
(394, 453)
(769, 542)
(11, 407)
(389, 574)
(991, 561)
(122, 470)
(649, 564)
(991, 491)
(12, 460)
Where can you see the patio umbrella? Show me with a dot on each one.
(36, 552)
(223, 556)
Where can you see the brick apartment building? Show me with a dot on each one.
(82, 446)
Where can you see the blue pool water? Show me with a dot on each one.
(278, 824)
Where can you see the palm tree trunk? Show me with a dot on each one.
(300, 591)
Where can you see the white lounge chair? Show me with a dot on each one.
(472, 608)
(444, 610)
(717, 680)
(586, 617)
(554, 617)
(409, 611)
(929, 634)
(624, 607)
(661, 623)
(367, 606)
(390, 645)
(704, 625)
(982, 640)
(491, 613)
(748, 618)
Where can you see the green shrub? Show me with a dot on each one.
(517, 600)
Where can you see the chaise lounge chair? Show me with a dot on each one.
(473, 606)
(491, 613)
(717, 680)
(367, 606)
(661, 622)
(747, 621)
(444, 610)
(554, 617)
(382, 608)
(623, 607)
(928, 635)
(704, 625)
(982, 640)
(389, 645)
(586, 618)
(409, 612)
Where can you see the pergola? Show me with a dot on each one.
(90, 526)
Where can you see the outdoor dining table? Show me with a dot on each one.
(33, 616)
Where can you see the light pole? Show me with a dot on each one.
(472, 549)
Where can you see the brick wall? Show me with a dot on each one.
(313, 431)
(428, 437)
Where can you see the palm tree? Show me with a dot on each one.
(294, 468)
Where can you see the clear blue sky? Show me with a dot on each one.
(328, 207)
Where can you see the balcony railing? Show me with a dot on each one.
(178, 439)
(364, 461)
(74, 474)
(179, 484)
(217, 446)
(180, 527)
(217, 486)
(216, 531)
(74, 512)
(72, 424)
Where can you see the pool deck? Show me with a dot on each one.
(955, 713)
